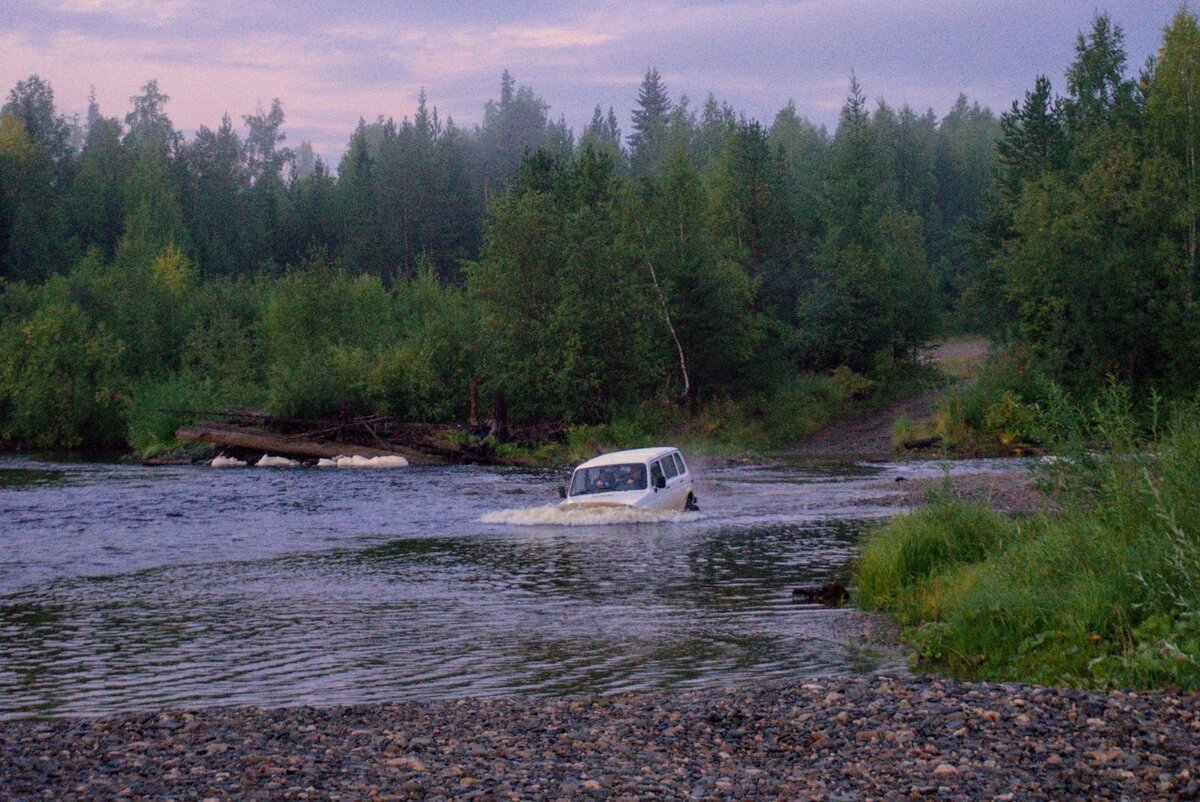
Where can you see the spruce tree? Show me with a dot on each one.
(650, 122)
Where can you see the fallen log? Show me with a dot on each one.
(224, 434)
(923, 442)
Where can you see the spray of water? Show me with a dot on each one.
(552, 515)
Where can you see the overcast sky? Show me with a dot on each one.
(331, 63)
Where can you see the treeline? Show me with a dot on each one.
(1089, 245)
(1092, 237)
(705, 257)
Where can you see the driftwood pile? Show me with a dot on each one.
(253, 431)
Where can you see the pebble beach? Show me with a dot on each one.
(835, 739)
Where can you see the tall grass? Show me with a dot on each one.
(898, 563)
(1106, 592)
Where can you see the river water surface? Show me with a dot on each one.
(124, 587)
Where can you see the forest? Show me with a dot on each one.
(703, 269)
(1089, 241)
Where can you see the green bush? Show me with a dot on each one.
(1001, 412)
(160, 406)
(226, 346)
(1163, 651)
(143, 303)
(321, 329)
(772, 419)
(61, 383)
(338, 344)
(441, 332)
(306, 386)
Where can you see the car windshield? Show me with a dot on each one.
(608, 479)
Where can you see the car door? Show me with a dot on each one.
(658, 499)
(676, 494)
(685, 476)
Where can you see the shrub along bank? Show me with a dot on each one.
(1107, 592)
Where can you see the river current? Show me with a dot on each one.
(125, 588)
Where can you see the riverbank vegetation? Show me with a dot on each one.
(1104, 592)
(708, 275)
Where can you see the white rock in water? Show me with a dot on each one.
(326, 463)
(372, 462)
(227, 462)
(269, 461)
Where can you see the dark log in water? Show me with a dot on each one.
(831, 594)
(923, 442)
(226, 434)
(375, 436)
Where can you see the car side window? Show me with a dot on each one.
(669, 467)
(656, 473)
(679, 463)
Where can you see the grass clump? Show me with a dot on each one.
(1107, 592)
(903, 431)
(899, 561)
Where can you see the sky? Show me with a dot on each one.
(331, 63)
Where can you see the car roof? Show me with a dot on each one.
(642, 455)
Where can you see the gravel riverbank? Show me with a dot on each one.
(1014, 492)
(846, 738)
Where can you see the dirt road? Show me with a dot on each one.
(870, 436)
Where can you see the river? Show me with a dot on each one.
(124, 587)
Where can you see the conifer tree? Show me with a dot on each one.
(96, 200)
(1033, 139)
(1173, 117)
(604, 134)
(214, 200)
(364, 242)
(650, 123)
(703, 287)
(1098, 91)
(716, 123)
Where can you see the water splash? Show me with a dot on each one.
(553, 515)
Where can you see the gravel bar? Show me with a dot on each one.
(843, 738)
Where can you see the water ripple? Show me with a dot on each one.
(129, 588)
